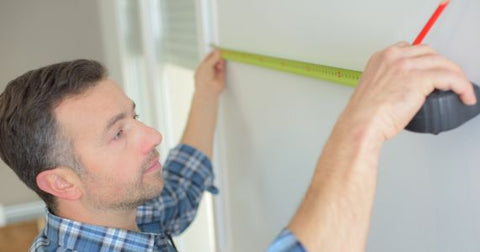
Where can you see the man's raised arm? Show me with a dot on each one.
(209, 83)
(335, 213)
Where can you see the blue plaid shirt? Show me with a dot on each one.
(286, 242)
(187, 173)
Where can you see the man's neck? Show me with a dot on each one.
(121, 219)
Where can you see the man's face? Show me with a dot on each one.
(117, 152)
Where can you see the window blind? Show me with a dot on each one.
(179, 38)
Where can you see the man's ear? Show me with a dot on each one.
(61, 182)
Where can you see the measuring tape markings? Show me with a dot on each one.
(333, 74)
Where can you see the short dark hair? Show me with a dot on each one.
(31, 139)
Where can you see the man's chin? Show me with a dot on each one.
(148, 195)
(153, 180)
(154, 191)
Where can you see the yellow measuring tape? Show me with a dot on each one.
(327, 73)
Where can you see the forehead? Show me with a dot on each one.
(89, 111)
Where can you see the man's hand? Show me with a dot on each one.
(210, 75)
(209, 83)
(335, 213)
(396, 82)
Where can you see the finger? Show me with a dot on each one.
(401, 44)
(418, 50)
(213, 57)
(209, 55)
(401, 51)
(444, 80)
(220, 64)
(208, 58)
(221, 75)
(433, 61)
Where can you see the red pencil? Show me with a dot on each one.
(431, 21)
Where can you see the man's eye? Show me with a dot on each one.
(118, 135)
(136, 116)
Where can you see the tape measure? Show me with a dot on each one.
(327, 73)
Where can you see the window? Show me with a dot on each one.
(159, 50)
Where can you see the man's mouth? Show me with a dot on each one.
(154, 164)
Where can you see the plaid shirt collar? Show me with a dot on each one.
(77, 236)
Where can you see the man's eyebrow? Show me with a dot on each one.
(114, 120)
(118, 117)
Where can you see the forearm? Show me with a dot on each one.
(335, 214)
(200, 128)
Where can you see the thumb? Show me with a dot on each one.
(213, 57)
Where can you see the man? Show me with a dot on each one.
(71, 135)
(102, 163)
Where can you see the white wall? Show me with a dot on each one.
(37, 33)
(273, 124)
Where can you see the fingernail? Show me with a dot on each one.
(472, 101)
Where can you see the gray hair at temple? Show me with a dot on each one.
(31, 140)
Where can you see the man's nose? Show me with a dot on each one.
(151, 139)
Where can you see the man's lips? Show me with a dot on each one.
(154, 165)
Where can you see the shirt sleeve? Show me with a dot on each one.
(286, 242)
(186, 174)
